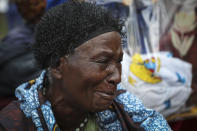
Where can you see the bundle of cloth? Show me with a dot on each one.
(160, 80)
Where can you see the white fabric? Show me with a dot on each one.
(169, 90)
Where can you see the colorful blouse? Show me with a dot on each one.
(107, 120)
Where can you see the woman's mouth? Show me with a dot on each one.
(106, 95)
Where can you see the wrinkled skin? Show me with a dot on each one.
(86, 81)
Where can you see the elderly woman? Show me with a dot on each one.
(79, 47)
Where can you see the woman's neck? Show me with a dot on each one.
(67, 116)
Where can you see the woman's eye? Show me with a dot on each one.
(103, 61)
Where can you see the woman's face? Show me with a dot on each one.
(91, 74)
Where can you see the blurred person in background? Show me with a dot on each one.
(181, 39)
(17, 62)
(13, 16)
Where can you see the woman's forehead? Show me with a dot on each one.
(106, 39)
(107, 43)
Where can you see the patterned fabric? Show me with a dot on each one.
(107, 120)
(30, 103)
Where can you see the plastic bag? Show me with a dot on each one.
(162, 81)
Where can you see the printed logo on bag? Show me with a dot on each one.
(145, 69)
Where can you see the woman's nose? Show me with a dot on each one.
(115, 76)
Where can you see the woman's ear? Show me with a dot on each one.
(57, 72)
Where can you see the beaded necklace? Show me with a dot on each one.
(82, 125)
(80, 128)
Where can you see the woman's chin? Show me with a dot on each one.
(98, 107)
